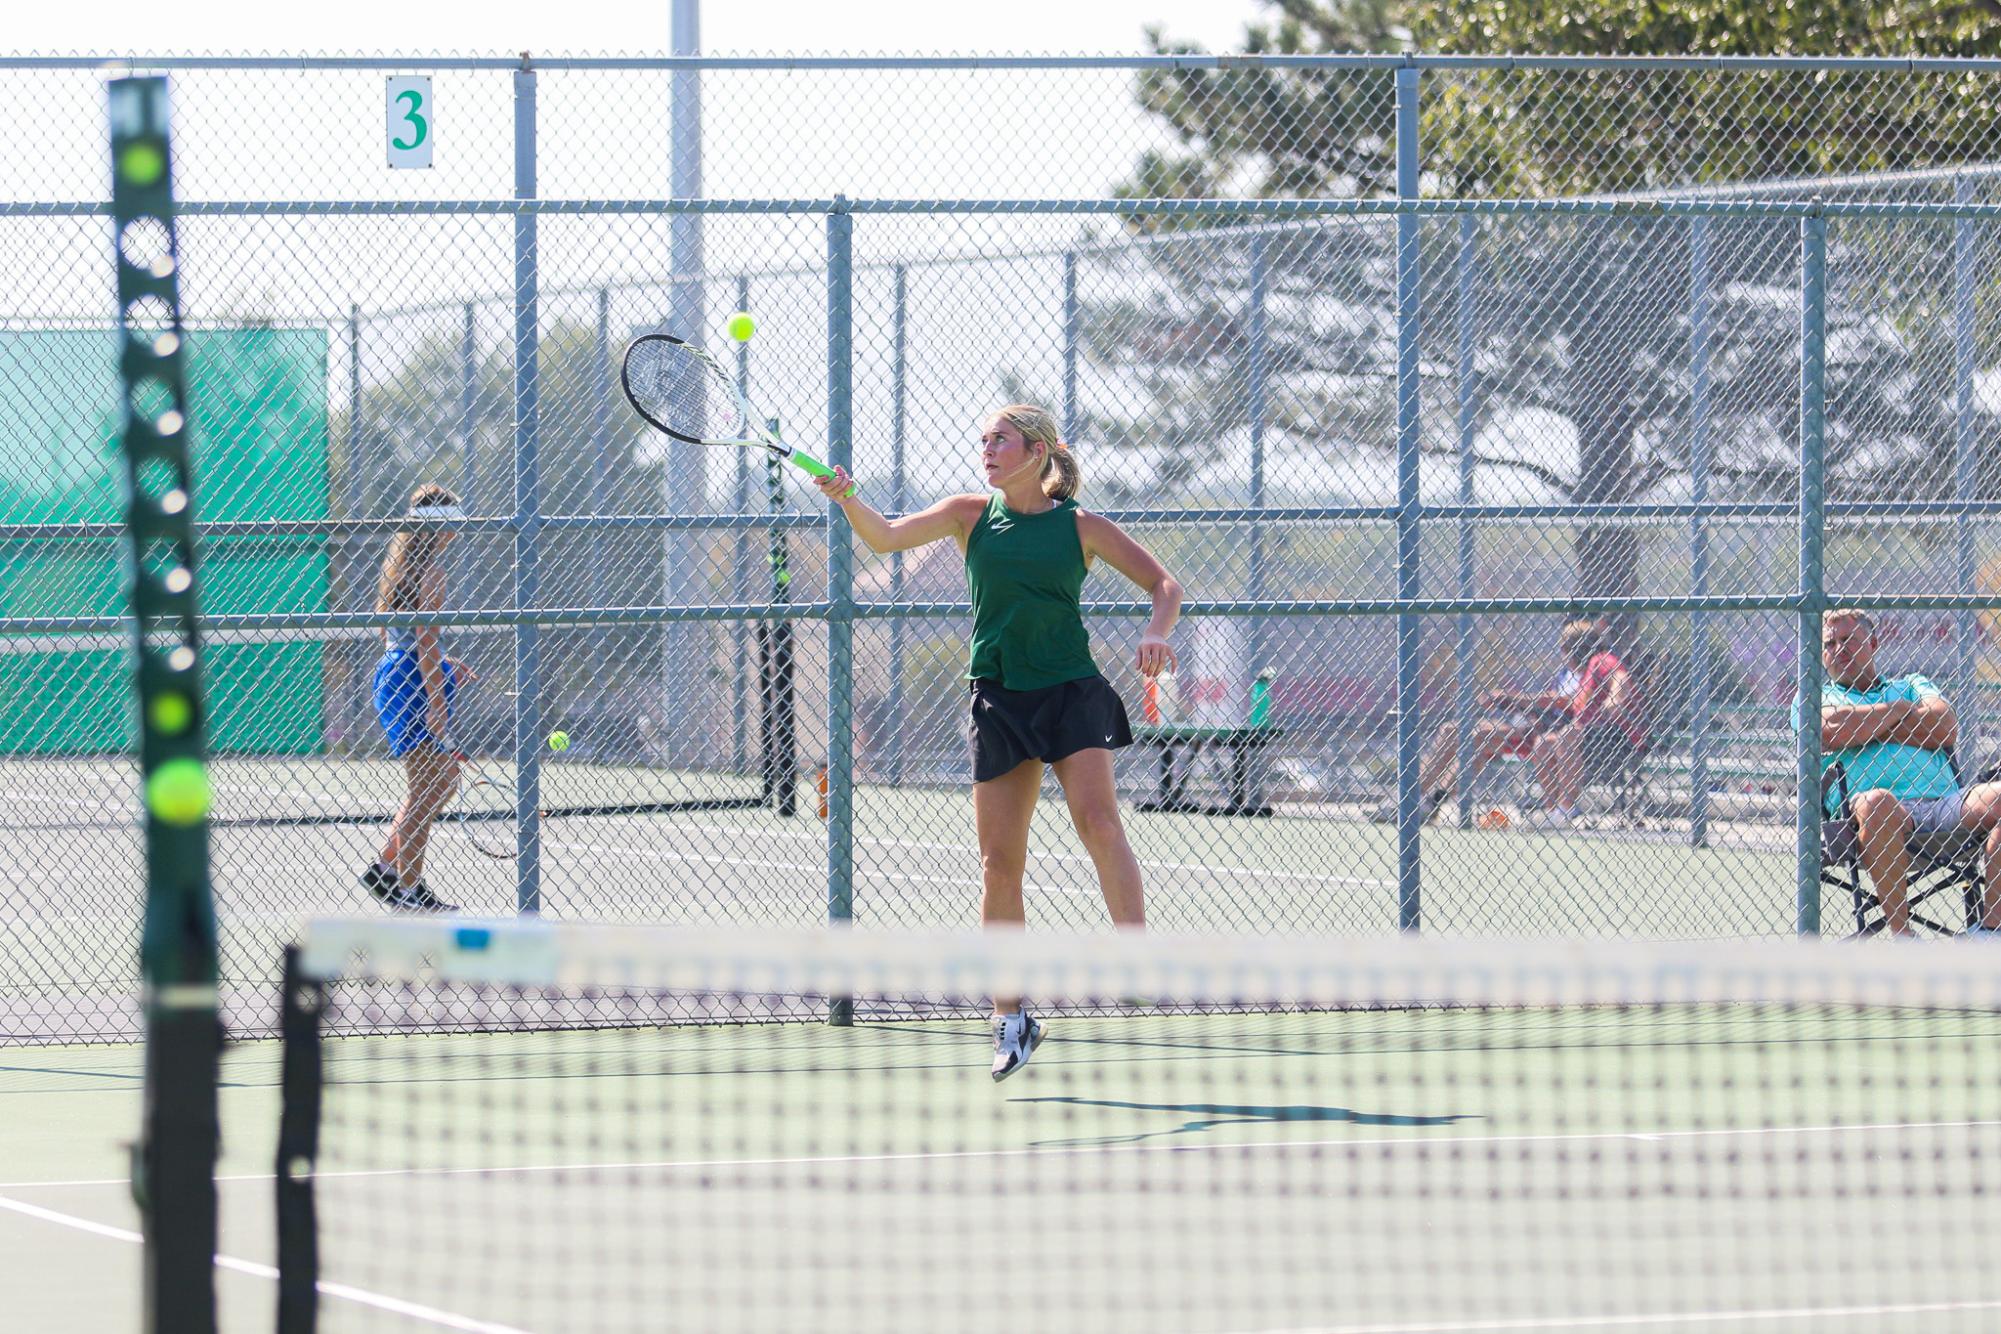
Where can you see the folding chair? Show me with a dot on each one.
(1944, 887)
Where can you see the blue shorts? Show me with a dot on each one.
(400, 702)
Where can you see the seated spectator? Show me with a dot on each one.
(1895, 736)
(1582, 730)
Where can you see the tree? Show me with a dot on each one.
(1586, 318)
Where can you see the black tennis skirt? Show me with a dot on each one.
(1010, 726)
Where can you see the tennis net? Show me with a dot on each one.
(297, 742)
(1240, 1134)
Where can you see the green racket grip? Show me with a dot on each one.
(818, 469)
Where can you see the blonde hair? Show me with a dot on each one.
(1061, 477)
(411, 553)
(1855, 614)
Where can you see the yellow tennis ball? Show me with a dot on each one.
(171, 713)
(178, 792)
(741, 326)
(559, 740)
(141, 163)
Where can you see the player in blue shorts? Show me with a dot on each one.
(414, 686)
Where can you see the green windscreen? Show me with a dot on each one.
(259, 443)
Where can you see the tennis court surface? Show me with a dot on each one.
(1216, 1135)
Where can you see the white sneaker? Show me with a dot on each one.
(1544, 821)
(1016, 1036)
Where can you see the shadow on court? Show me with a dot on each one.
(1212, 1114)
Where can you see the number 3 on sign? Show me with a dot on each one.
(410, 116)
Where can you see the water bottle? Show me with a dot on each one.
(1260, 700)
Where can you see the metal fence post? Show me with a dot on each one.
(1467, 375)
(899, 502)
(527, 509)
(1812, 587)
(683, 681)
(1257, 389)
(601, 393)
(840, 576)
(1070, 338)
(353, 544)
(1409, 625)
(1698, 531)
(469, 407)
(740, 563)
(1968, 275)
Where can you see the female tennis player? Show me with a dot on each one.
(414, 685)
(1037, 697)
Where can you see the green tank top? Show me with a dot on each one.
(1026, 575)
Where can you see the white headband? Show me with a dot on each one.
(435, 512)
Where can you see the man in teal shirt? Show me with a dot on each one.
(1895, 737)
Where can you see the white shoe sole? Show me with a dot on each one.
(1037, 1030)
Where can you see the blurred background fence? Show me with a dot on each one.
(1397, 363)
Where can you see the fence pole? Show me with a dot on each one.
(1070, 338)
(1968, 275)
(469, 407)
(1257, 410)
(353, 546)
(600, 465)
(1469, 416)
(1409, 626)
(740, 563)
(1698, 531)
(899, 503)
(684, 666)
(527, 510)
(1812, 588)
(840, 581)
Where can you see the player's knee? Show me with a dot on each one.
(1098, 825)
(1004, 862)
(1879, 809)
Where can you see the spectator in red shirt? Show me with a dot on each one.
(1583, 730)
(1603, 733)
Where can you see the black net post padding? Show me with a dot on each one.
(302, 1085)
(174, 1161)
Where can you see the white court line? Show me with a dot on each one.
(1426, 1143)
(345, 1292)
(1631, 1321)
(1053, 855)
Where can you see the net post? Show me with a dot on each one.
(174, 1161)
(527, 510)
(302, 1087)
(840, 584)
(1812, 584)
(1409, 626)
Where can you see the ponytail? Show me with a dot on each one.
(1062, 479)
(412, 551)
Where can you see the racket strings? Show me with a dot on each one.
(684, 391)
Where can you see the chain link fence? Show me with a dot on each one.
(1397, 365)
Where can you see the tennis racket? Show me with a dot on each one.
(484, 810)
(678, 388)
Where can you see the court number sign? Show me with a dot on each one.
(411, 120)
